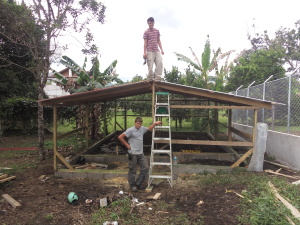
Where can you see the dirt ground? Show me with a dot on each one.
(45, 201)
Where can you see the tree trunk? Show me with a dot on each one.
(41, 130)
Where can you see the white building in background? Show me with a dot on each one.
(52, 89)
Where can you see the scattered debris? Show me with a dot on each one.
(155, 197)
(110, 223)
(88, 201)
(92, 166)
(296, 182)
(103, 202)
(149, 189)
(200, 203)
(294, 211)
(162, 212)
(11, 201)
(4, 178)
(5, 168)
(280, 165)
(281, 174)
(237, 194)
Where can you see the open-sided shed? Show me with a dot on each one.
(211, 100)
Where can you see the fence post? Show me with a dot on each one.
(264, 91)
(289, 104)
(248, 97)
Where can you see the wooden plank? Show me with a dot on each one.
(11, 201)
(204, 142)
(149, 189)
(156, 196)
(64, 161)
(281, 174)
(211, 107)
(7, 179)
(237, 163)
(294, 211)
(244, 135)
(3, 176)
(280, 165)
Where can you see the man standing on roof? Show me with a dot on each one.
(151, 51)
(136, 156)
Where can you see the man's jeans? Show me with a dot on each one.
(133, 161)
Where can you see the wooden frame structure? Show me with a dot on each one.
(221, 100)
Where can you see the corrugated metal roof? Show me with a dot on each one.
(144, 87)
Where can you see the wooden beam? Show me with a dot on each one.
(7, 179)
(211, 107)
(64, 161)
(229, 124)
(199, 142)
(213, 95)
(86, 123)
(237, 163)
(244, 135)
(294, 211)
(11, 201)
(54, 136)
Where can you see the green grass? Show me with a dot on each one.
(259, 205)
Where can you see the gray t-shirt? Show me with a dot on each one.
(135, 139)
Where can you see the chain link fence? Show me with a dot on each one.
(285, 116)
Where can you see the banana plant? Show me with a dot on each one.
(87, 79)
(207, 64)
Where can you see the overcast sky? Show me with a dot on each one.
(182, 24)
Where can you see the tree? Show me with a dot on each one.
(88, 80)
(286, 40)
(208, 64)
(256, 66)
(53, 18)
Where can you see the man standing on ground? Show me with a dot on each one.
(136, 156)
(151, 51)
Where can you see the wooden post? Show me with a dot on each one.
(86, 124)
(153, 102)
(115, 125)
(208, 122)
(104, 120)
(229, 124)
(125, 116)
(55, 136)
(216, 119)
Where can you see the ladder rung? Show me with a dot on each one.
(161, 164)
(162, 115)
(161, 139)
(160, 176)
(162, 103)
(161, 151)
(162, 93)
(162, 127)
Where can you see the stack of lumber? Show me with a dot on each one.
(4, 177)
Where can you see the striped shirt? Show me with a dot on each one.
(152, 36)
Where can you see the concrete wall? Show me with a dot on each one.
(284, 147)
